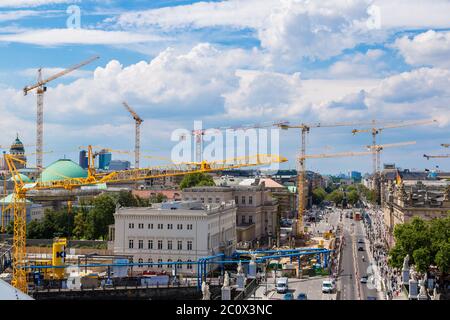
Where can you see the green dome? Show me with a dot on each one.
(23, 177)
(62, 169)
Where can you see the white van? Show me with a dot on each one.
(282, 285)
(328, 286)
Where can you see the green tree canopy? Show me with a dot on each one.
(318, 195)
(196, 180)
(353, 197)
(426, 242)
(336, 196)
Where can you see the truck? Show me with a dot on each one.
(282, 285)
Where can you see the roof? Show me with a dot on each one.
(62, 169)
(23, 177)
(8, 292)
(269, 183)
(9, 199)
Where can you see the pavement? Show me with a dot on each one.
(311, 286)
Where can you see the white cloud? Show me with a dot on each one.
(52, 37)
(413, 14)
(263, 94)
(33, 3)
(234, 13)
(17, 15)
(172, 84)
(429, 48)
(360, 65)
(421, 93)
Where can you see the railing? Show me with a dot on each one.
(248, 290)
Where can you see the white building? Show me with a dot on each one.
(174, 231)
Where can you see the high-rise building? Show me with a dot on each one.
(104, 158)
(83, 162)
(118, 165)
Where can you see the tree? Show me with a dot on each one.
(426, 242)
(196, 180)
(158, 198)
(353, 197)
(318, 195)
(336, 196)
(101, 216)
(81, 225)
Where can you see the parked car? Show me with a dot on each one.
(288, 296)
(302, 296)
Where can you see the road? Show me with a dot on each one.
(352, 265)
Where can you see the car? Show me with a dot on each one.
(288, 296)
(360, 241)
(364, 279)
(302, 296)
(282, 285)
(360, 248)
(327, 286)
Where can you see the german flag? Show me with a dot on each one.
(398, 178)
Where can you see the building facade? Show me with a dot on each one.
(180, 231)
(408, 199)
(256, 218)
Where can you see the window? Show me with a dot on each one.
(159, 244)
(141, 226)
(217, 200)
(159, 265)
(189, 245)
(179, 226)
(180, 245)
(250, 200)
(150, 225)
(130, 244)
(179, 266)
(243, 219)
(209, 200)
(140, 261)
(189, 266)
(169, 244)
(189, 226)
(160, 226)
(250, 219)
(131, 226)
(170, 226)
(243, 200)
(150, 244)
(236, 199)
(202, 200)
(194, 199)
(141, 244)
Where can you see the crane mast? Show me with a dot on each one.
(137, 135)
(41, 88)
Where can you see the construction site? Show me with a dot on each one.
(258, 225)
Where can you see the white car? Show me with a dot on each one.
(327, 286)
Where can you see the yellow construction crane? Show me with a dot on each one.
(20, 192)
(376, 160)
(40, 89)
(305, 129)
(137, 139)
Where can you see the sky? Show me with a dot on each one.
(229, 63)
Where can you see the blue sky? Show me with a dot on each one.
(229, 63)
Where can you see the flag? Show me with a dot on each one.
(398, 179)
